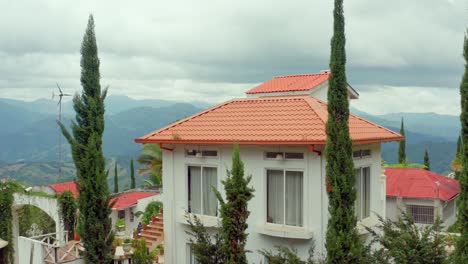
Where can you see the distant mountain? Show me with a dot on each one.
(440, 126)
(29, 133)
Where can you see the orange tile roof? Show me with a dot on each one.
(289, 83)
(285, 120)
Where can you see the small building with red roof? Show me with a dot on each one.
(126, 204)
(421, 193)
(280, 127)
(65, 186)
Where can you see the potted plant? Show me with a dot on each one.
(120, 226)
(127, 245)
(76, 233)
(160, 249)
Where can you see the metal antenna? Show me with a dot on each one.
(60, 95)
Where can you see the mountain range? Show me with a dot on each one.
(29, 135)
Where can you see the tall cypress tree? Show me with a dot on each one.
(342, 240)
(461, 248)
(402, 146)
(86, 148)
(132, 175)
(116, 178)
(427, 163)
(234, 211)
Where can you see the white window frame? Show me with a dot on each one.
(186, 150)
(360, 215)
(284, 190)
(284, 155)
(189, 208)
(427, 219)
(361, 155)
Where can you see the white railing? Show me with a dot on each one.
(55, 250)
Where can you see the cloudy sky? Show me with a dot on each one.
(403, 56)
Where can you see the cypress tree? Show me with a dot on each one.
(342, 240)
(86, 148)
(427, 163)
(132, 175)
(461, 248)
(234, 211)
(402, 146)
(116, 179)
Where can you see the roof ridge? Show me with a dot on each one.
(312, 102)
(299, 75)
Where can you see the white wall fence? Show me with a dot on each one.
(46, 249)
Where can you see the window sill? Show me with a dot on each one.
(284, 231)
(369, 222)
(206, 220)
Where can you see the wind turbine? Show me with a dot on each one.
(60, 95)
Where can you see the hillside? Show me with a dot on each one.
(31, 136)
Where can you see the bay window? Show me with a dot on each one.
(285, 197)
(201, 198)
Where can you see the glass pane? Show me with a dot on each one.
(194, 190)
(294, 155)
(273, 155)
(275, 196)
(357, 154)
(209, 198)
(294, 198)
(209, 153)
(358, 205)
(366, 190)
(366, 153)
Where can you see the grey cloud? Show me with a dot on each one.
(228, 45)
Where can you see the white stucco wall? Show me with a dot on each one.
(262, 235)
(445, 209)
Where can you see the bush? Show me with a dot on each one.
(287, 255)
(141, 254)
(403, 241)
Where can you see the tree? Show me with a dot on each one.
(403, 241)
(427, 163)
(141, 254)
(342, 240)
(287, 255)
(229, 241)
(461, 248)
(68, 208)
(456, 163)
(234, 211)
(116, 178)
(132, 175)
(86, 148)
(151, 159)
(402, 146)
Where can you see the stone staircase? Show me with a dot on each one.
(154, 233)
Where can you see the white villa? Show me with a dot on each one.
(280, 128)
(425, 195)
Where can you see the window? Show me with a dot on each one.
(121, 214)
(362, 192)
(201, 153)
(285, 155)
(201, 198)
(421, 214)
(362, 153)
(284, 197)
(192, 259)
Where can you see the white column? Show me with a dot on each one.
(14, 239)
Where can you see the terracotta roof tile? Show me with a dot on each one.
(289, 83)
(420, 183)
(265, 120)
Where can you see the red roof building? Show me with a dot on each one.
(127, 199)
(296, 84)
(420, 183)
(276, 120)
(64, 186)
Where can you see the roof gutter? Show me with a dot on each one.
(165, 148)
(312, 149)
